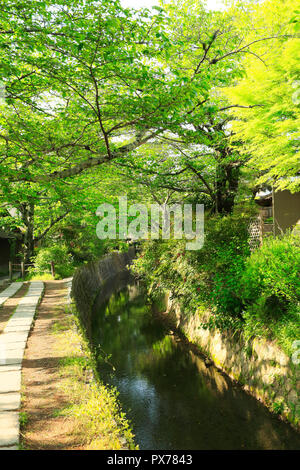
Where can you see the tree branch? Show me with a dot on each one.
(91, 162)
(42, 235)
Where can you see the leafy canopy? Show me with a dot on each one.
(270, 130)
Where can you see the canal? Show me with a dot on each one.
(172, 399)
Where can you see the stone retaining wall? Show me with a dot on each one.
(96, 281)
(259, 365)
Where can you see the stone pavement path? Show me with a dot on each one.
(12, 346)
(9, 291)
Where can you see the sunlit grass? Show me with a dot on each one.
(99, 421)
(37, 277)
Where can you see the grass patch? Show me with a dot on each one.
(94, 407)
(23, 419)
(37, 277)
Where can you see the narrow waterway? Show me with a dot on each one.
(171, 398)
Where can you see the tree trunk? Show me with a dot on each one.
(227, 181)
(27, 212)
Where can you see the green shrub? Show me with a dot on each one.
(63, 261)
(271, 280)
(270, 290)
(223, 258)
(257, 293)
(205, 278)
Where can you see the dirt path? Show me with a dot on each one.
(8, 308)
(41, 380)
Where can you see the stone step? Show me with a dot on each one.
(9, 428)
(12, 347)
(4, 346)
(9, 367)
(10, 401)
(10, 448)
(16, 328)
(10, 381)
(18, 336)
(25, 313)
(11, 290)
(19, 322)
(12, 356)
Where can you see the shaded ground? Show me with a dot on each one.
(41, 380)
(9, 306)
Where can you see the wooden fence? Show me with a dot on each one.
(21, 267)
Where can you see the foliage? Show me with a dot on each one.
(278, 407)
(95, 93)
(270, 128)
(196, 160)
(256, 293)
(23, 419)
(63, 262)
(273, 272)
(205, 278)
(82, 98)
(223, 259)
(32, 276)
(270, 290)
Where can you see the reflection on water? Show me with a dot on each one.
(172, 399)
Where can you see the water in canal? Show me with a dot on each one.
(171, 398)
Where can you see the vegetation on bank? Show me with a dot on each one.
(257, 293)
(100, 422)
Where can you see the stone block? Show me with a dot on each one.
(10, 381)
(9, 428)
(10, 401)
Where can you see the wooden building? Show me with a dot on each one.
(10, 245)
(279, 211)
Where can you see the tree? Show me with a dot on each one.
(180, 169)
(90, 82)
(270, 122)
(196, 157)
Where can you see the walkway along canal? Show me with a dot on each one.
(174, 401)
